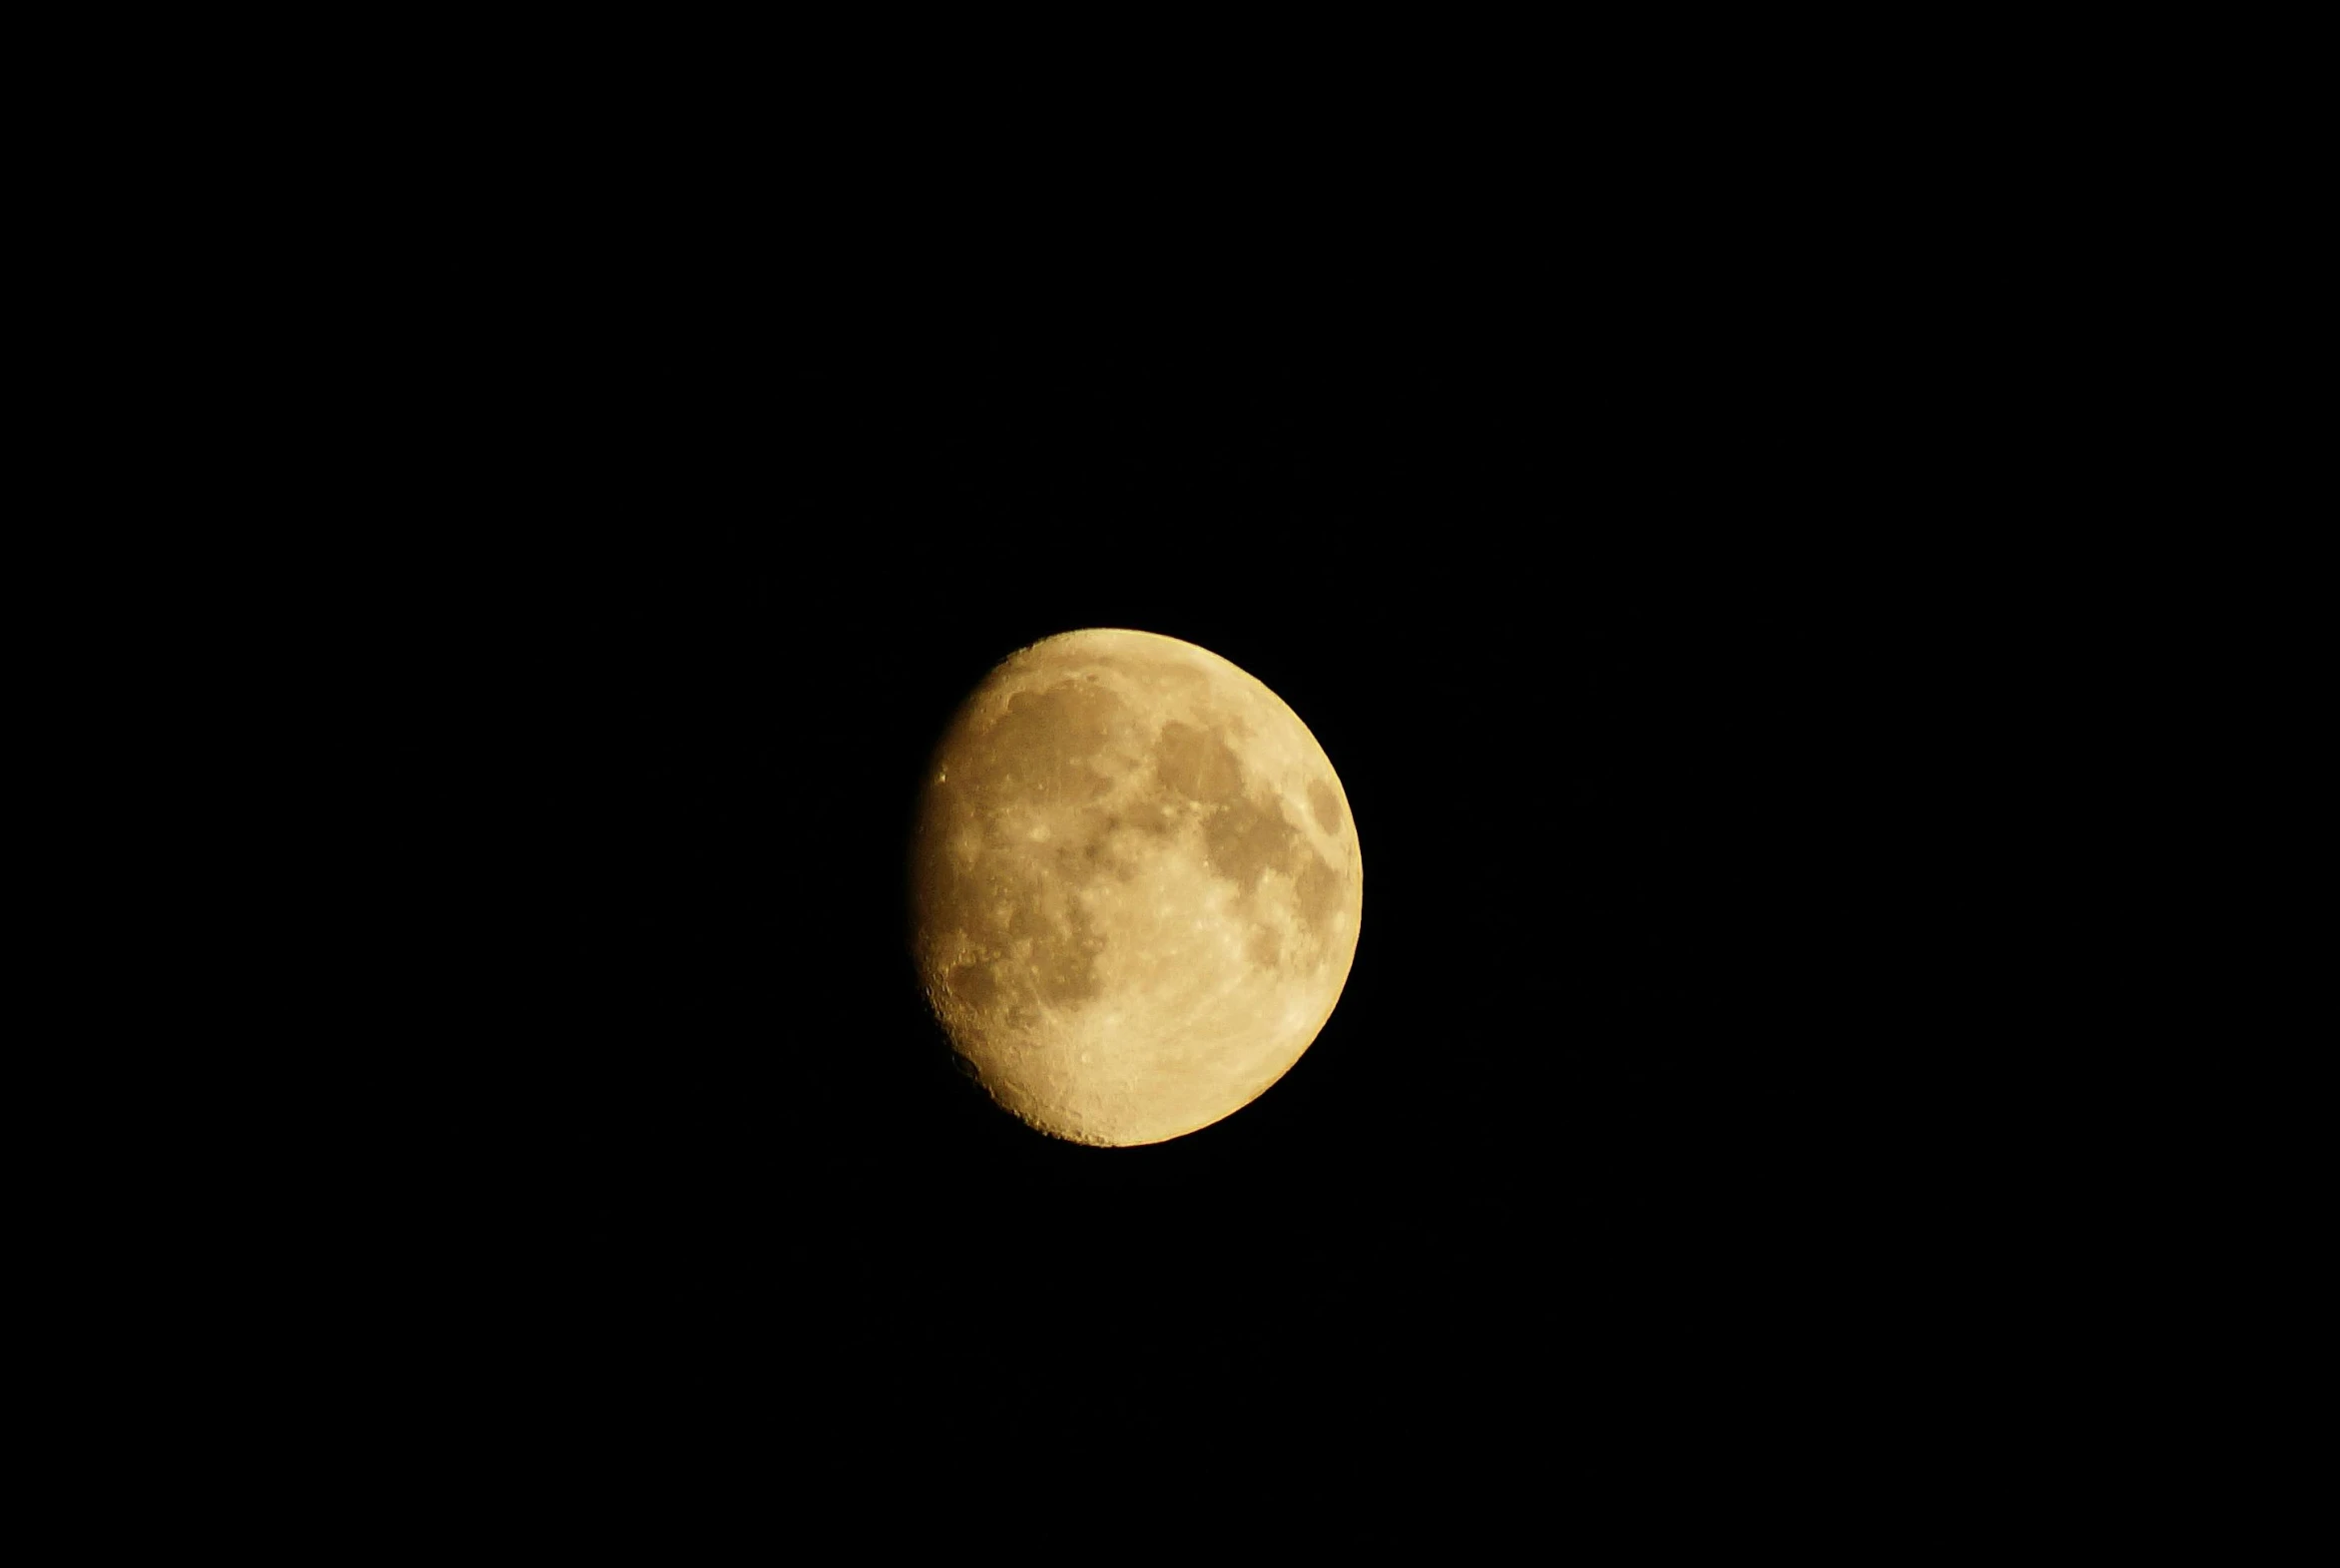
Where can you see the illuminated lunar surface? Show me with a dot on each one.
(1135, 886)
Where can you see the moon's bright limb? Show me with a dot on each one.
(1135, 886)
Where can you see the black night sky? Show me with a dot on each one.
(723, 532)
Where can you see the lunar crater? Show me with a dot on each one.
(1324, 807)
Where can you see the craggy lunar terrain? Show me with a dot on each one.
(1135, 886)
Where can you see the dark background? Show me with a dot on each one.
(720, 517)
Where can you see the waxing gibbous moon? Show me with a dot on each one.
(1135, 886)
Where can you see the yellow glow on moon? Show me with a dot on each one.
(1135, 886)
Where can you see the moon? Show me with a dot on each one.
(1135, 886)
